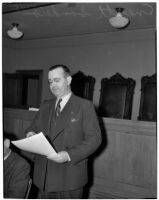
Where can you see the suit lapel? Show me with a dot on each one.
(64, 118)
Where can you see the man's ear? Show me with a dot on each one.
(69, 79)
(7, 143)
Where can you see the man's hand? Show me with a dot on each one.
(29, 134)
(61, 157)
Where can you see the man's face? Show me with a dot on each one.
(58, 82)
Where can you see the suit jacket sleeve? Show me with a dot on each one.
(92, 135)
(19, 182)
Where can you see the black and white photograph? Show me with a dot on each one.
(79, 100)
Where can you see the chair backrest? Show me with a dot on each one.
(28, 188)
(116, 97)
(83, 85)
(148, 100)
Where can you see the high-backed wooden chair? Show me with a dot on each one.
(148, 100)
(83, 85)
(116, 97)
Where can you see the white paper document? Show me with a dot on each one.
(36, 144)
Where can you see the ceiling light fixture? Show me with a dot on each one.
(14, 33)
(119, 21)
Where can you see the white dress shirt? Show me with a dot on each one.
(64, 101)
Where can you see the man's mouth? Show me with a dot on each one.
(54, 90)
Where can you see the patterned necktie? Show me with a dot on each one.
(58, 108)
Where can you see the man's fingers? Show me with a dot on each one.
(29, 134)
(56, 158)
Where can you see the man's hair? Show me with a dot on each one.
(9, 136)
(64, 67)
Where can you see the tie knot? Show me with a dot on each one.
(58, 103)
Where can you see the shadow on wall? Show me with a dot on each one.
(93, 157)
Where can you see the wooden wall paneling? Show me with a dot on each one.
(154, 164)
(12, 126)
(135, 164)
(16, 121)
(127, 166)
(25, 125)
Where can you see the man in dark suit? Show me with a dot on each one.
(73, 130)
(16, 172)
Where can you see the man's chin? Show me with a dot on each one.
(56, 94)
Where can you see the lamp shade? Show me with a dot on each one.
(119, 21)
(14, 33)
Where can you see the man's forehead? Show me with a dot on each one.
(58, 72)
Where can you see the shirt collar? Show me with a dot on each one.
(64, 100)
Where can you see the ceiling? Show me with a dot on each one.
(48, 20)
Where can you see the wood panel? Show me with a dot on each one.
(127, 166)
(17, 120)
(12, 126)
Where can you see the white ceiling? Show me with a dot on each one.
(65, 19)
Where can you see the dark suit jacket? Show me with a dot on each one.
(16, 176)
(77, 132)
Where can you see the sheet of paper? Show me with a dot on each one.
(36, 144)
